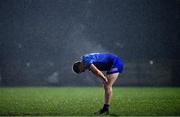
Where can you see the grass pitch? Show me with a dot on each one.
(84, 101)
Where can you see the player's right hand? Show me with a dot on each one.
(105, 81)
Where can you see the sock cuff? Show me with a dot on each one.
(107, 105)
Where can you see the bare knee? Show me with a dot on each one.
(108, 88)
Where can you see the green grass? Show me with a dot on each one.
(85, 101)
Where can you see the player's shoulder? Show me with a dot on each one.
(91, 55)
(107, 54)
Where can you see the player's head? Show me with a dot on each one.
(78, 67)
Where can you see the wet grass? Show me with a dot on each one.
(84, 101)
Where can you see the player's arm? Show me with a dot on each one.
(98, 73)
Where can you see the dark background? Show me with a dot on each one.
(40, 40)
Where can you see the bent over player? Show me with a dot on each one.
(96, 63)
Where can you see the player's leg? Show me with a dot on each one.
(108, 87)
(108, 93)
(108, 90)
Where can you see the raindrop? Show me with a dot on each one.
(151, 62)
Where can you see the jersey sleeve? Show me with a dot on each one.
(87, 61)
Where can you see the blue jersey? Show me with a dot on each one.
(104, 62)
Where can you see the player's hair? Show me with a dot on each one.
(76, 67)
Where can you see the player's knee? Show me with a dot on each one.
(108, 88)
